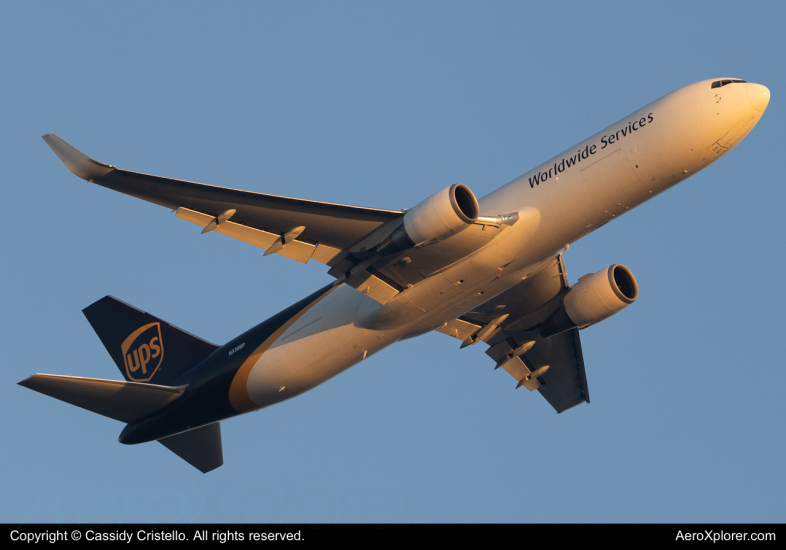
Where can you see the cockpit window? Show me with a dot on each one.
(719, 83)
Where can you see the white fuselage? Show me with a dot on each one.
(558, 202)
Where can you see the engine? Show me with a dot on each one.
(594, 298)
(441, 215)
(436, 218)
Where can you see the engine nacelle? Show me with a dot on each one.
(594, 298)
(441, 215)
(434, 219)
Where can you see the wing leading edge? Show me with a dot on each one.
(346, 238)
(334, 226)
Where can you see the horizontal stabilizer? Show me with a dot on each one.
(123, 401)
(200, 447)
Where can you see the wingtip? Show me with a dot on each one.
(26, 383)
(75, 160)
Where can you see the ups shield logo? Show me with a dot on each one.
(143, 352)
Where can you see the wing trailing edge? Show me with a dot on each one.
(555, 365)
(333, 225)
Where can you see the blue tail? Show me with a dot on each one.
(145, 348)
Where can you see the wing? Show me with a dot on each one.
(563, 383)
(303, 228)
(343, 237)
(554, 366)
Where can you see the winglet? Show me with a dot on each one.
(76, 161)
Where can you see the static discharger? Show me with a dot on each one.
(285, 239)
(221, 218)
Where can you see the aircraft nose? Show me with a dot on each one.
(758, 95)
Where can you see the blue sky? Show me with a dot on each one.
(380, 105)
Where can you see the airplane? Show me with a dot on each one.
(487, 270)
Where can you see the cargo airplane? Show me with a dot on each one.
(486, 270)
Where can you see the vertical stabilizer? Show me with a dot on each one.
(145, 348)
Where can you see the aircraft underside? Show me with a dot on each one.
(487, 271)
